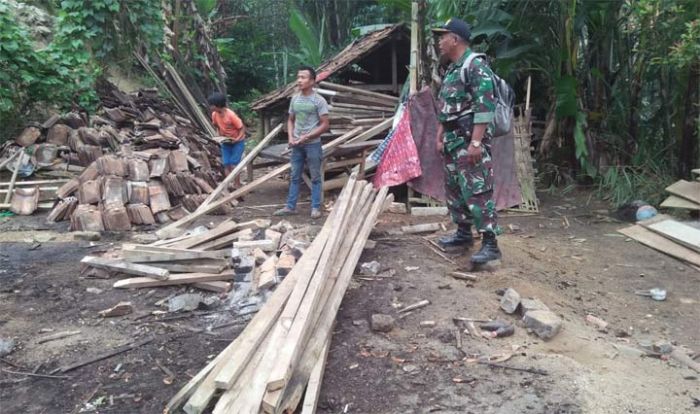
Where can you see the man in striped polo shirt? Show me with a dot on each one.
(308, 119)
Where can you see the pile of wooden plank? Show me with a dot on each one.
(268, 366)
(206, 259)
(684, 194)
(351, 107)
(669, 236)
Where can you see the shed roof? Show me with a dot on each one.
(353, 52)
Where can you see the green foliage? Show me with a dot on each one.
(622, 184)
(311, 39)
(59, 75)
(63, 74)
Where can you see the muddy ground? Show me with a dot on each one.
(569, 256)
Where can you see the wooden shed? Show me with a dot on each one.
(378, 61)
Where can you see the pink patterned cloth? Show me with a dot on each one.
(400, 162)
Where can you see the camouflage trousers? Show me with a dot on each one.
(469, 187)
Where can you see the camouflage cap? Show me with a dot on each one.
(456, 26)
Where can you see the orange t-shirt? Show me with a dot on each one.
(229, 125)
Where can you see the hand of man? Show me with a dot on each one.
(473, 154)
(291, 141)
(440, 146)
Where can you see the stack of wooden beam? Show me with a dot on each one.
(669, 236)
(204, 258)
(684, 194)
(351, 107)
(267, 368)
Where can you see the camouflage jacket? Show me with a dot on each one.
(456, 99)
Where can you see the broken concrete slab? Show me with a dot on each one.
(510, 301)
(381, 323)
(544, 323)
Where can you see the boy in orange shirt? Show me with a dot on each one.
(231, 131)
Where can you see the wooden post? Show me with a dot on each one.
(527, 96)
(11, 188)
(413, 70)
(394, 68)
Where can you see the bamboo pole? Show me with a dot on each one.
(413, 68)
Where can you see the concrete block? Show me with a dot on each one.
(545, 324)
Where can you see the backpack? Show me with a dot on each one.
(505, 98)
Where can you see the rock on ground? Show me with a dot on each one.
(545, 324)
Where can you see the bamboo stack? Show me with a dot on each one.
(271, 362)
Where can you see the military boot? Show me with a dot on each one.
(461, 238)
(489, 249)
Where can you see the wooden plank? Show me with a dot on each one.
(363, 107)
(145, 253)
(326, 318)
(662, 244)
(236, 356)
(375, 130)
(180, 279)
(686, 189)
(41, 206)
(307, 264)
(313, 389)
(230, 400)
(219, 287)
(193, 266)
(344, 88)
(36, 182)
(679, 232)
(126, 267)
(222, 242)
(11, 186)
(224, 228)
(173, 229)
(679, 202)
(288, 354)
(240, 167)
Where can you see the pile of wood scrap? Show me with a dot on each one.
(282, 350)
(669, 236)
(137, 155)
(351, 107)
(206, 260)
(684, 194)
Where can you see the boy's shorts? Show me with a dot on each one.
(232, 152)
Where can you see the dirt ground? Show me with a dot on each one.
(569, 256)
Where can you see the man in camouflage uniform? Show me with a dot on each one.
(466, 113)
